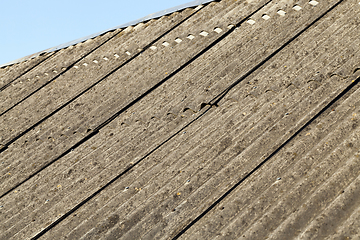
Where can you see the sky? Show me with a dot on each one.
(28, 27)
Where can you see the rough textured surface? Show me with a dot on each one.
(212, 122)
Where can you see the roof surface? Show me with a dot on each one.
(230, 120)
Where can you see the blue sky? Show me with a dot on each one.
(27, 27)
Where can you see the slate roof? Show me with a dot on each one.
(231, 120)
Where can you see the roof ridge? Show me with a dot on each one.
(132, 23)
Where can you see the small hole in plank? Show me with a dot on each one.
(218, 30)
(281, 12)
(297, 8)
(191, 37)
(203, 33)
(250, 21)
(313, 2)
(266, 17)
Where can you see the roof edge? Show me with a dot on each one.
(132, 23)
